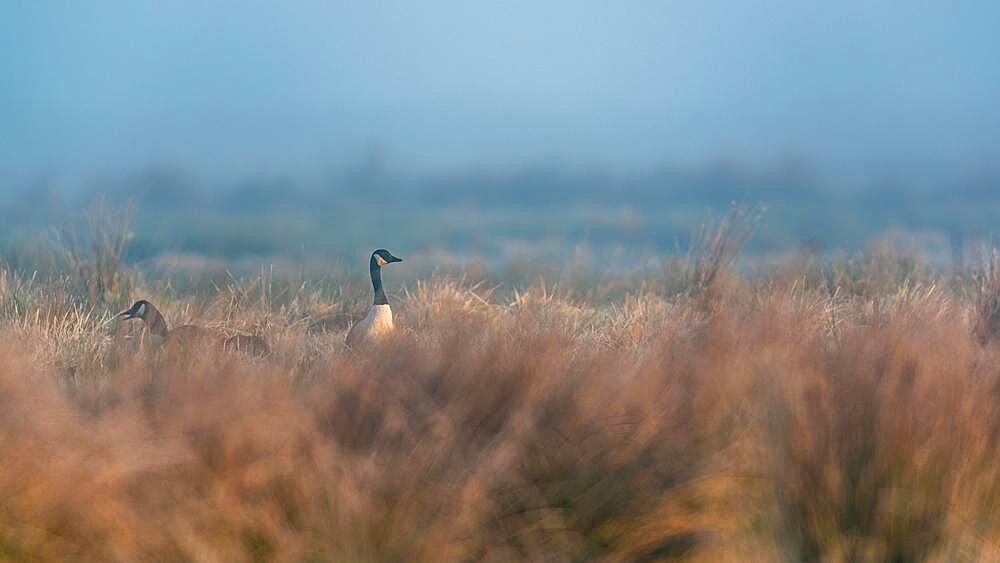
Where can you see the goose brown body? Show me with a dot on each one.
(248, 344)
(187, 337)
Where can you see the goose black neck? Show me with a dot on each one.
(376, 270)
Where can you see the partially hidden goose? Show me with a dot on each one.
(378, 321)
(189, 335)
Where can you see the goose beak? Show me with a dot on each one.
(394, 259)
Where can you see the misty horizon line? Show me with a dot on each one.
(380, 165)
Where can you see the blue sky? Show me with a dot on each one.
(228, 86)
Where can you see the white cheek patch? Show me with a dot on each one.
(379, 260)
(142, 311)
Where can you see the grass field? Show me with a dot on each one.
(810, 412)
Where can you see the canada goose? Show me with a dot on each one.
(378, 321)
(189, 335)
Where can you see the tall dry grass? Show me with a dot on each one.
(91, 255)
(840, 415)
(785, 422)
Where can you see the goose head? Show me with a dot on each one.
(139, 310)
(145, 310)
(381, 257)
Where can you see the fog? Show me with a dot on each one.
(233, 88)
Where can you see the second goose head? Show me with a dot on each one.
(145, 310)
(380, 258)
